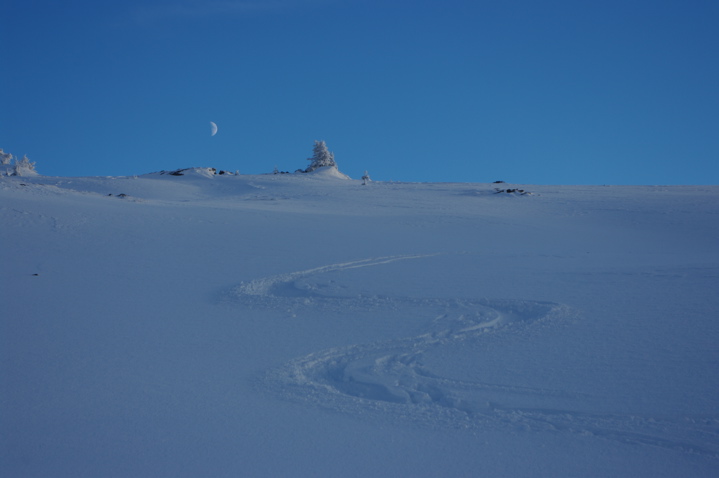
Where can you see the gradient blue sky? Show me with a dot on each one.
(546, 92)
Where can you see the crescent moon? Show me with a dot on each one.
(213, 129)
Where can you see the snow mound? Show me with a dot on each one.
(190, 172)
(328, 172)
(24, 172)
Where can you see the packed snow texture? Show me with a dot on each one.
(312, 325)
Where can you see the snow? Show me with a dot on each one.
(310, 325)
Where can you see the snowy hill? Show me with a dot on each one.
(310, 325)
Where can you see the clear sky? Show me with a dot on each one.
(526, 91)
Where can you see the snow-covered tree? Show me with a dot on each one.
(322, 157)
(5, 158)
(24, 167)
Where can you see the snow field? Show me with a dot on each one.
(288, 325)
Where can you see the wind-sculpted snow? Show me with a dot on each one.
(398, 380)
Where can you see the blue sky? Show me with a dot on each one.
(545, 92)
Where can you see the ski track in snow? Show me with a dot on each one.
(389, 378)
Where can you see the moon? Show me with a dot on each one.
(213, 129)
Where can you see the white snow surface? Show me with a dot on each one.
(311, 326)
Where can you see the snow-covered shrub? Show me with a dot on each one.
(366, 178)
(322, 157)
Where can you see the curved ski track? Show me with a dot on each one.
(389, 378)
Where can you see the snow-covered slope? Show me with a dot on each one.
(309, 325)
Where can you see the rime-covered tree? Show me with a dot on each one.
(24, 167)
(322, 157)
(5, 158)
